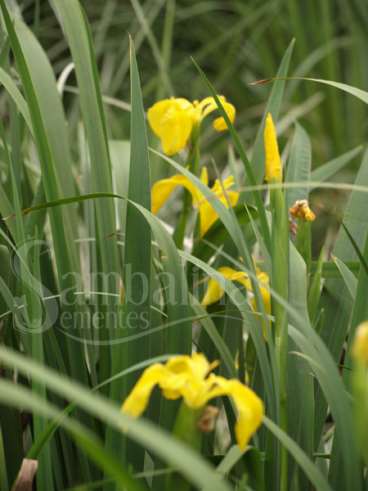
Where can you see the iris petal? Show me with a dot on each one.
(138, 399)
(172, 121)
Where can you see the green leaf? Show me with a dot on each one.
(360, 307)
(311, 471)
(300, 379)
(299, 166)
(359, 93)
(349, 279)
(217, 234)
(12, 89)
(361, 257)
(137, 259)
(329, 169)
(210, 328)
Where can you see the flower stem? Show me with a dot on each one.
(186, 430)
(280, 266)
(193, 166)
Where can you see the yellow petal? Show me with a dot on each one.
(187, 377)
(172, 121)
(219, 187)
(219, 124)
(208, 105)
(207, 217)
(262, 278)
(249, 406)
(161, 190)
(215, 291)
(266, 297)
(204, 175)
(207, 213)
(196, 193)
(196, 364)
(160, 193)
(273, 165)
(234, 275)
(137, 401)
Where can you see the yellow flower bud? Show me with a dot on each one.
(273, 164)
(360, 344)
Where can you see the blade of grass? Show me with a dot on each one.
(299, 165)
(348, 277)
(361, 257)
(17, 97)
(137, 260)
(329, 169)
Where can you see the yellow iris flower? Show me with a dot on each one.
(215, 291)
(273, 164)
(162, 190)
(172, 120)
(189, 377)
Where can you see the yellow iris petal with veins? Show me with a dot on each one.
(162, 190)
(189, 377)
(172, 120)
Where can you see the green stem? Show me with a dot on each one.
(186, 430)
(280, 266)
(193, 166)
(303, 242)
